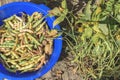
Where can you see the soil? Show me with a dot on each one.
(64, 68)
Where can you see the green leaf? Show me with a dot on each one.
(88, 11)
(118, 42)
(65, 11)
(118, 18)
(88, 32)
(96, 28)
(104, 28)
(95, 38)
(58, 20)
(64, 4)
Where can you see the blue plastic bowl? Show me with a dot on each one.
(27, 7)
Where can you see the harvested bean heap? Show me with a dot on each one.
(26, 42)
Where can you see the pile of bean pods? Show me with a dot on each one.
(26, 42)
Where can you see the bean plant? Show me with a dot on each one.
(93, 37)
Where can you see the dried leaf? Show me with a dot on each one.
(53, 33)
(48, 49)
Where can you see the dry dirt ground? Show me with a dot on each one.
(64, 68)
